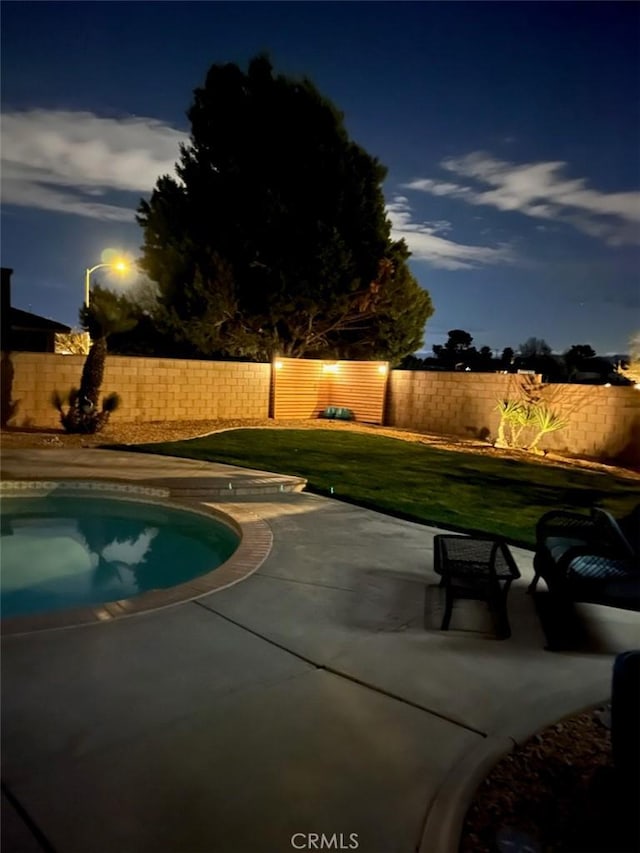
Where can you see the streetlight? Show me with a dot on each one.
(120, 266)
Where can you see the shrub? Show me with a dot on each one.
(519, 416)
(78, 414)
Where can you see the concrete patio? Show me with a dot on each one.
(309, 698)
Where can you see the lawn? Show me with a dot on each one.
(467, 491)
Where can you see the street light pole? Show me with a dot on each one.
(118, 265)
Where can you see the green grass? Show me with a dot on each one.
(466, 491)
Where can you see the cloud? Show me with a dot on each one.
(541, 191)
(66, 161)
(438, 188)
(426, 243)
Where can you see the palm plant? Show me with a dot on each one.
(510, 413)
(520, 415)
(523, 416)
(107, 314)
(545, 421)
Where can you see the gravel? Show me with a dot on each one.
(555, 793)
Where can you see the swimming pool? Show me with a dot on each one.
(254, 539)
(63, 551)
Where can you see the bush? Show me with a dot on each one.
(520, 416)
(80, 414)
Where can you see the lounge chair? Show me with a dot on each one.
(590, 558)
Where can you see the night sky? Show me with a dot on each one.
(511, 132)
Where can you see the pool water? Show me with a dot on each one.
(63, 552)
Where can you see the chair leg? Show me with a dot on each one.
(503, 629)
(447, 610)
(534, 583)
(498, 607)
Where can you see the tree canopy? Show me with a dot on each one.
(534, 347)
(274, 238)
(576, 354)
(457, 345)
(506, 358)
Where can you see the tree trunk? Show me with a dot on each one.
(93, 371)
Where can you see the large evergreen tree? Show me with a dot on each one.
(274, 238)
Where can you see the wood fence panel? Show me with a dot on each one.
(299, 388)
(360, 386)
(303, 388)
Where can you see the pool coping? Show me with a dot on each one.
(256, 540)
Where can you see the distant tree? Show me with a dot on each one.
(535, 354)
(274, 238)
(456, 349)
(411, 362)
(506, 358)
(458, 341)
(534, 347)
(481, 359)
(574, 357)
(578, 352)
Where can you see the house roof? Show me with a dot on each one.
(25, 320)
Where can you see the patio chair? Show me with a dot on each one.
(590, 558)
(475, 567)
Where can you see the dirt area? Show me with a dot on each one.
(555, 794)
(144, 433)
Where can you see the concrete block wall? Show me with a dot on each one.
(449, 403)
(603, 422)
(152, 389)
